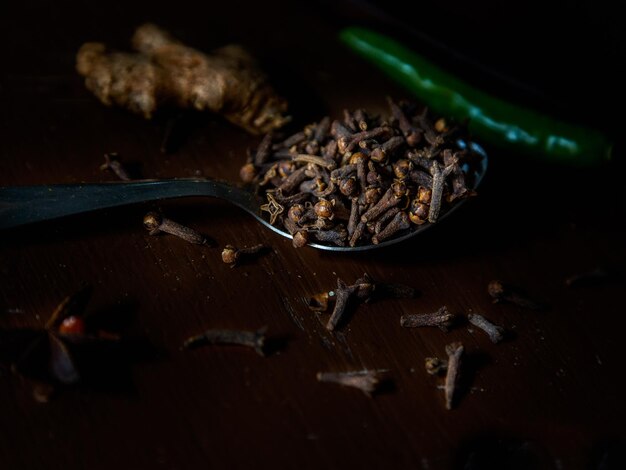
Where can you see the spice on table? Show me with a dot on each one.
(367, 381)
(52, 344)
(442, 319)
(340, 185)
(251, 339)
(495, 332)
(363, 290)
(501, 292)
(435, 366)
(155, 224)
(232, 255)
(111, 163)
(164, 72)
(455, 354)
(343, 295)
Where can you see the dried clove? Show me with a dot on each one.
(358, 233)
(501, 292)
(348, 120)
(495, 332)
(232, 255)
(293, 180)
(364, 289)
(367, 381)
(381, 154)
(388, 201)
(442, 319)
(365, 135)
(156, 224)
(294, 139)
(360, 116)
(348, 186)
(411, 134)
(300, 239)
(398, 223)
(319, 161)
(263, 152)
(337, 235)
(455, 354)
(385, 218)
(418, 212)
(251, 339)
(343, 293)
(111, 163)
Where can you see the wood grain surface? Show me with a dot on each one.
(550, 396)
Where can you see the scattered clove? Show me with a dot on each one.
(495, 332)
(501, 292)
(343, 294)
(363, 290)
(251, 339)
(455, 353)
(442, 319)
(367, 381)
(111, 163)
(156, 224)
(381, 176)
(232, 255)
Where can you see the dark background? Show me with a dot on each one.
(550, 397)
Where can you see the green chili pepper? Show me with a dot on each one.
(490, 118)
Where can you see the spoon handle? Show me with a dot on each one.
(21, 205)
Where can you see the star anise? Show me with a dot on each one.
(273, 207)
(46, 355)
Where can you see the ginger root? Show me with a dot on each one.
(166, 72)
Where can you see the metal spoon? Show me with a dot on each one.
(23, 205)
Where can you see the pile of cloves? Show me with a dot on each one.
(362, 179)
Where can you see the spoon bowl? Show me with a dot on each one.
(22, 205)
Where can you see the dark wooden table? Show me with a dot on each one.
(552, 396)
